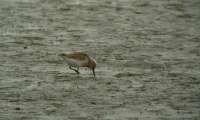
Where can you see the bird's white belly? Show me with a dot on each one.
(75, 63)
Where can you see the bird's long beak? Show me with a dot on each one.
(93, 70)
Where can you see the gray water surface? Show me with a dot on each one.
(148, 55)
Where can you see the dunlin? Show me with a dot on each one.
(79, 59)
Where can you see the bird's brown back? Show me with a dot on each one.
(80, 56)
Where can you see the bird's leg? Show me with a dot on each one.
(77, 70)
(93, 71)
(70, 67)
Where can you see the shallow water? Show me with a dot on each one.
(147, 53)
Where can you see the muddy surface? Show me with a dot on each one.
(148, 55)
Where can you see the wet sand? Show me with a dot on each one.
(148, 55)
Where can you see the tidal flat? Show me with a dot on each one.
(147, 53)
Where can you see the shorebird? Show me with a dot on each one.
(79, 59)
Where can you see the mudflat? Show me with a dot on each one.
(147, 53)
